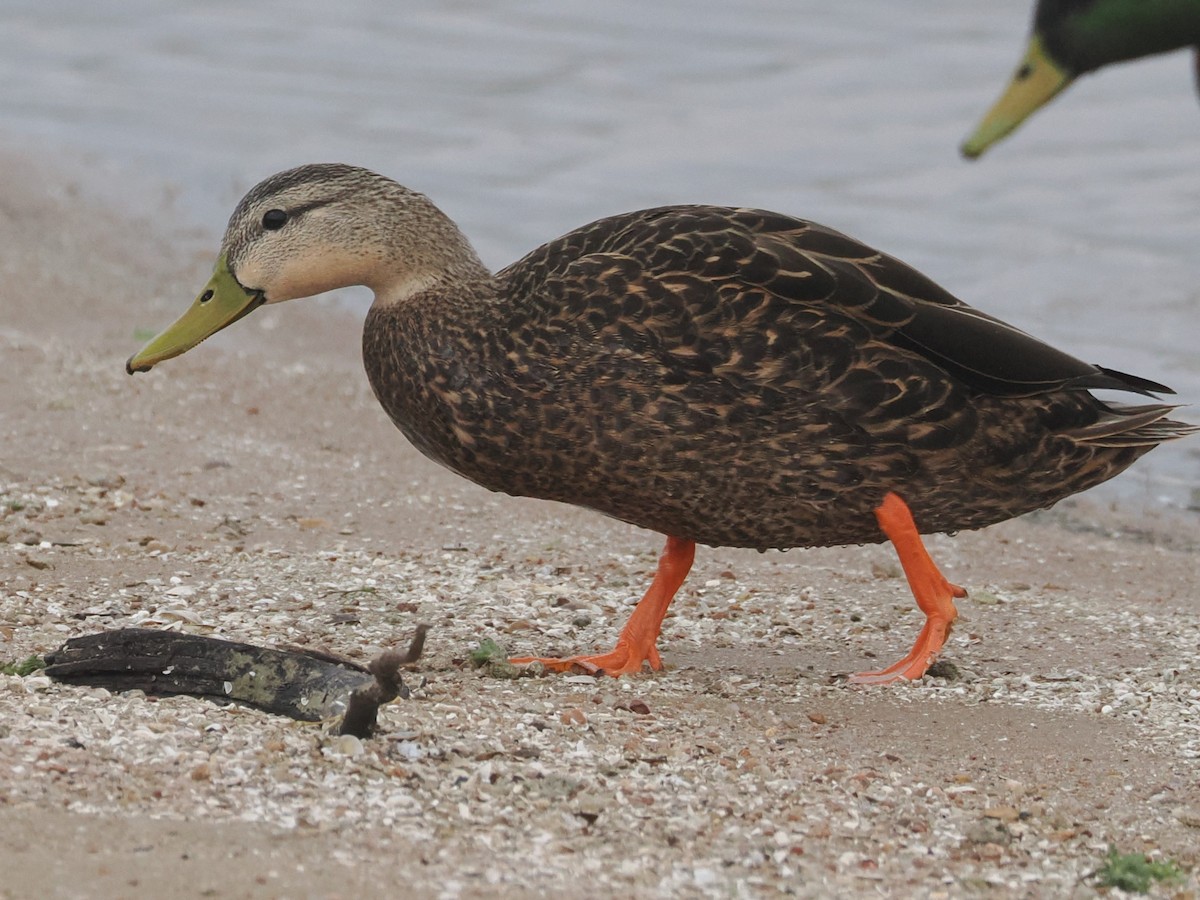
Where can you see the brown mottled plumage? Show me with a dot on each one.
(730, 377)
(742, 378)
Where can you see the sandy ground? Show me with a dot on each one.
(253, 489)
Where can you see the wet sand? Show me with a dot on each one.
(254, 490)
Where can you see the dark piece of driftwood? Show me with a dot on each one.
(298, 683)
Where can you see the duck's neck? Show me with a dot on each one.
(424, 253)
(466, 276)
(432, 337)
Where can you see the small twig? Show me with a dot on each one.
(363, 707)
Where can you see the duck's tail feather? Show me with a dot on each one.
(1111, 379)
(1133, 426)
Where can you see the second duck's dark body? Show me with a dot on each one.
(742, 378)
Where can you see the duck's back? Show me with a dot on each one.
(739, 377)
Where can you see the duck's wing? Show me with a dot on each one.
(716, 289)
(912, 311)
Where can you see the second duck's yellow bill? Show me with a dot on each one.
(1037, 80)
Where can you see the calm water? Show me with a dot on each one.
(524, 119)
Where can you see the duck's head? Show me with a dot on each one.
(1071, 38)
(314, 229)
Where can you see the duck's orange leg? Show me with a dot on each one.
(636, 645)
(935, 595)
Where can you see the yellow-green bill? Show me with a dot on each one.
(222, 302)
(1037, 79)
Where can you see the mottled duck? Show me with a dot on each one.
(731, 377)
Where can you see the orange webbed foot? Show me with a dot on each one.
(621, 660)
(934, 594)
(637, 644)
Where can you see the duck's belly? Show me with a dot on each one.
(766, 482)
(769, 501)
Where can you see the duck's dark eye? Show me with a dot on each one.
(274, 219)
